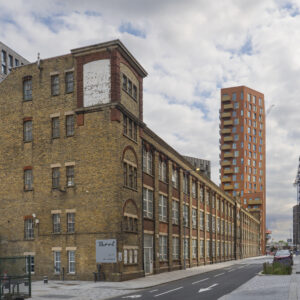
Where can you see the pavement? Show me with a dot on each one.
(259, 287)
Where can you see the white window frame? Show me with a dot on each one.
(175, 212)
(71, 262)
(163, 248)
(57, 262)
(148, 203)
(163, 208)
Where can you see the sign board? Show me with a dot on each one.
(106, 251)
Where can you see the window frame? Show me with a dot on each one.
(69, 84)
(55, 85)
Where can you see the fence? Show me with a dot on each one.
(15, 277)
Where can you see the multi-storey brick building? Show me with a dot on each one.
(242, 129)
(78, 165)
(9, 59)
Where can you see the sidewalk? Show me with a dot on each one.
(270, 287)
(102, 290)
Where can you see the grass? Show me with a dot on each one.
(277, 269)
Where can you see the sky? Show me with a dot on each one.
(190, 49)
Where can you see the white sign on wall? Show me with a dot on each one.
(106, 251)
(96, 82)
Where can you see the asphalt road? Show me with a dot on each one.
(210, 285)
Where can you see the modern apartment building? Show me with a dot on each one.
(84, 181)
(242, 146)
(9, 59)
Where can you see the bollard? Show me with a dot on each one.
(45, 279)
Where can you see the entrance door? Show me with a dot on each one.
(148, 253)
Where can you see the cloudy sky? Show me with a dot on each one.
(191, 49)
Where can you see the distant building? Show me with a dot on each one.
(202, 164)
(8, 60)
(296, 224)
(242, 147)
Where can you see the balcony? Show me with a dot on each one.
(226, 163)
(254, 202)
(225, 130)
(226, 98)
(225, 115)
(226, 147)
(226, 179)
(254, 209)
(228, 122)
(228, 154)
(228, 138)
(228, 106)
(228, 187)
(229, 171)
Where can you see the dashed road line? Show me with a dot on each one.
(153, 291)
(200, 280)
(170, 291)
(219, 274)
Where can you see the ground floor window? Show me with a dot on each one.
(130, 256)
(163, 246)
(57, 262)
(71, 258)
(175, 249)
(30, 264)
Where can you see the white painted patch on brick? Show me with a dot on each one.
(96, 82)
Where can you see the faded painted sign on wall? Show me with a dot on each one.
(96, 82)
(106, 251)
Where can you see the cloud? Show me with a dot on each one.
(190, 49)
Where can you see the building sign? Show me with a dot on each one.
(106, 251)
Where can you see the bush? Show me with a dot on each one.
(277, 269)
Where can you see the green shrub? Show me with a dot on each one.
(277, 269)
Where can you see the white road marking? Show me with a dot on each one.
(241, 267)
(208, 288)
(132, 296)
(200, 280)
(153, 291)
(168, 291)
(219, 274)
(231, 270)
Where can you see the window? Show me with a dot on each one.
(242, 96)
(28, 180)
(56, 223)
(175, 250)
(207, 248)
(162, 172)
(194, 248)
(28, 229)
(70, 125)
(194, 218)
(185, 215)
(233, 177)
(175, 178)
(163, 208)
(201, 248)
(234, 96)
(27, 88)
(57, 262)
(201, 220)
(55, 127)
(194, 189)
(69, 82)
(236, 153)
(234, 146)
(213, 223)
(207, 222)
(30, 265)
(55, 85)
(147, 161)
(16, 62)
(70, 176)
(242, 112)
(4, 64)
(129, 87)
(55, 178)
(234, 113)
(259, 101)
(248, 97)
(201, 194)
(236, 105)
(70, 222)
(71, 262)
(207, 197)
(236, 121)
(175, 212)
(130, 175)
(163, 254)
(130, 224)
(234, 161)
(10, 63)
(148, 203)
(218, 225)
(236, 137)
(186, 248)
(129, 128)
(185, 183)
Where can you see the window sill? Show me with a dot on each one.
(130, 231)
(70, 232)
(162, 181)
(127, 136)
(70, 135)
(29, 239)
(130, 188)
(27, 100)
(148, 218)
(54, 95)
(69, 92)
(56, 233)
(55, 137)
(135, 100)
(28, 190)
(145, 172)
(176, 224)
(27, 142)
(130, 264)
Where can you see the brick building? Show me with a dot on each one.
(243, 150)
(78, 165)
(9, 59)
